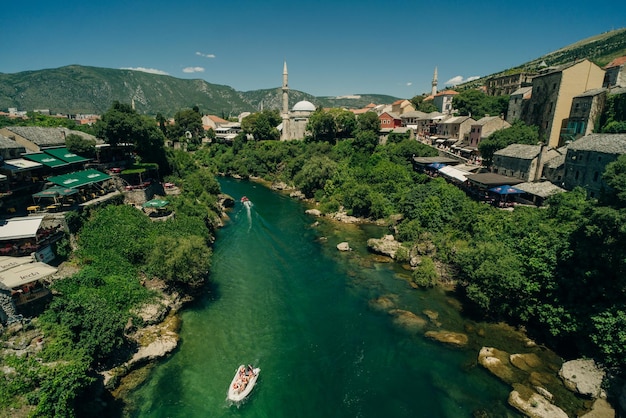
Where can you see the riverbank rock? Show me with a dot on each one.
(448, 337)
(344, 246)
(345, 218)
(532, 404)
(154, 341)
(386, 245)
(313, 212)
(407, 320)
(527, 362)
(497, 362)
(582, 376)
(600, 409)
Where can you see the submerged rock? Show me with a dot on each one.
(407, 320)
(383, 303)
(448, 337)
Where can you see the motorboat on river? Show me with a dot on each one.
(243, 382)
(246, 202)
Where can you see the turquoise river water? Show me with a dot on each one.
(284, 299)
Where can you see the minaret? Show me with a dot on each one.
(285, 90)
(434, 83)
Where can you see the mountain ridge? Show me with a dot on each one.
(91, 90)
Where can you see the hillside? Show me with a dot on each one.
(599, 49)
(79, 89)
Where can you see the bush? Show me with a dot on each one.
(425, 275)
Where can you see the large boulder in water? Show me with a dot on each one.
(532, 404)
(386, 245)
(582, 376)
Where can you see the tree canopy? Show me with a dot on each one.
(518, 133)
(262, 125)
(121, 124)
(477, 104)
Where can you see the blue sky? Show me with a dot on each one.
(331, 47)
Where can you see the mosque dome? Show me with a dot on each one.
(304, 106)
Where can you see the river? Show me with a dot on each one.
(284, 299)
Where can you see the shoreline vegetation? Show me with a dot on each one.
(514, 267)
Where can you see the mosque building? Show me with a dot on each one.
(294, 121)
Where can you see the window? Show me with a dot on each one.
(595, 176)
(576, 176)
(554, 86)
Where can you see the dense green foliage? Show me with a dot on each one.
(613, 118)
(477, 104)
(187, 127)
(121, 124)
(518, 133)
(81, 146)
(86, 324)
(422, 105)
(262, 125)
(529, 266)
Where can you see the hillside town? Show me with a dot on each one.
(40, 179)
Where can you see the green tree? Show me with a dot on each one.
(477, 104)
(518, 133)
(368, 121)
(187, 127)
(615, 178)
(314, 174)
(82, 146)
(322, 126)
(121, 124)
(345, 121)
(420, 103)
(262, 125)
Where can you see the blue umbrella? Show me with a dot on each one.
(436, 166)
(506, 189)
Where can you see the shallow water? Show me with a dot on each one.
(285, 300)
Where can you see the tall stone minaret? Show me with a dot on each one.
(433, 91)
(285, 90)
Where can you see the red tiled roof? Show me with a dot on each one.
(616, 62)
(217, 119)
(446, 93)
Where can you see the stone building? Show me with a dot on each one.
(615, 73)
(295, 121)
(553, 92)
(587, 158)
(37, 139)
(484, 127)
(509, 83)
(10, 149)
(518, 103)
(584, 114)
(455, 127)
(443, 101)
(523, 162)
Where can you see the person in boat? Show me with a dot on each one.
(250, 370)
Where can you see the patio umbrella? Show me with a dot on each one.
(506, 189)
(155, 203)
(436, 166)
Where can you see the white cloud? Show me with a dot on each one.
(146, 70)
(409, 83)
(201, 54)
(454, 81)
(193, 70)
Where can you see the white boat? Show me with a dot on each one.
(243, 382)
(246, 202)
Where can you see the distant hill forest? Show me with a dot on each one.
(91, 90)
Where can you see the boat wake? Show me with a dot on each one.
(248, 205)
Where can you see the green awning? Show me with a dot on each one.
(155, 203)
(56, 191)
(45, 159)
(79, 178)
(65, 155)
